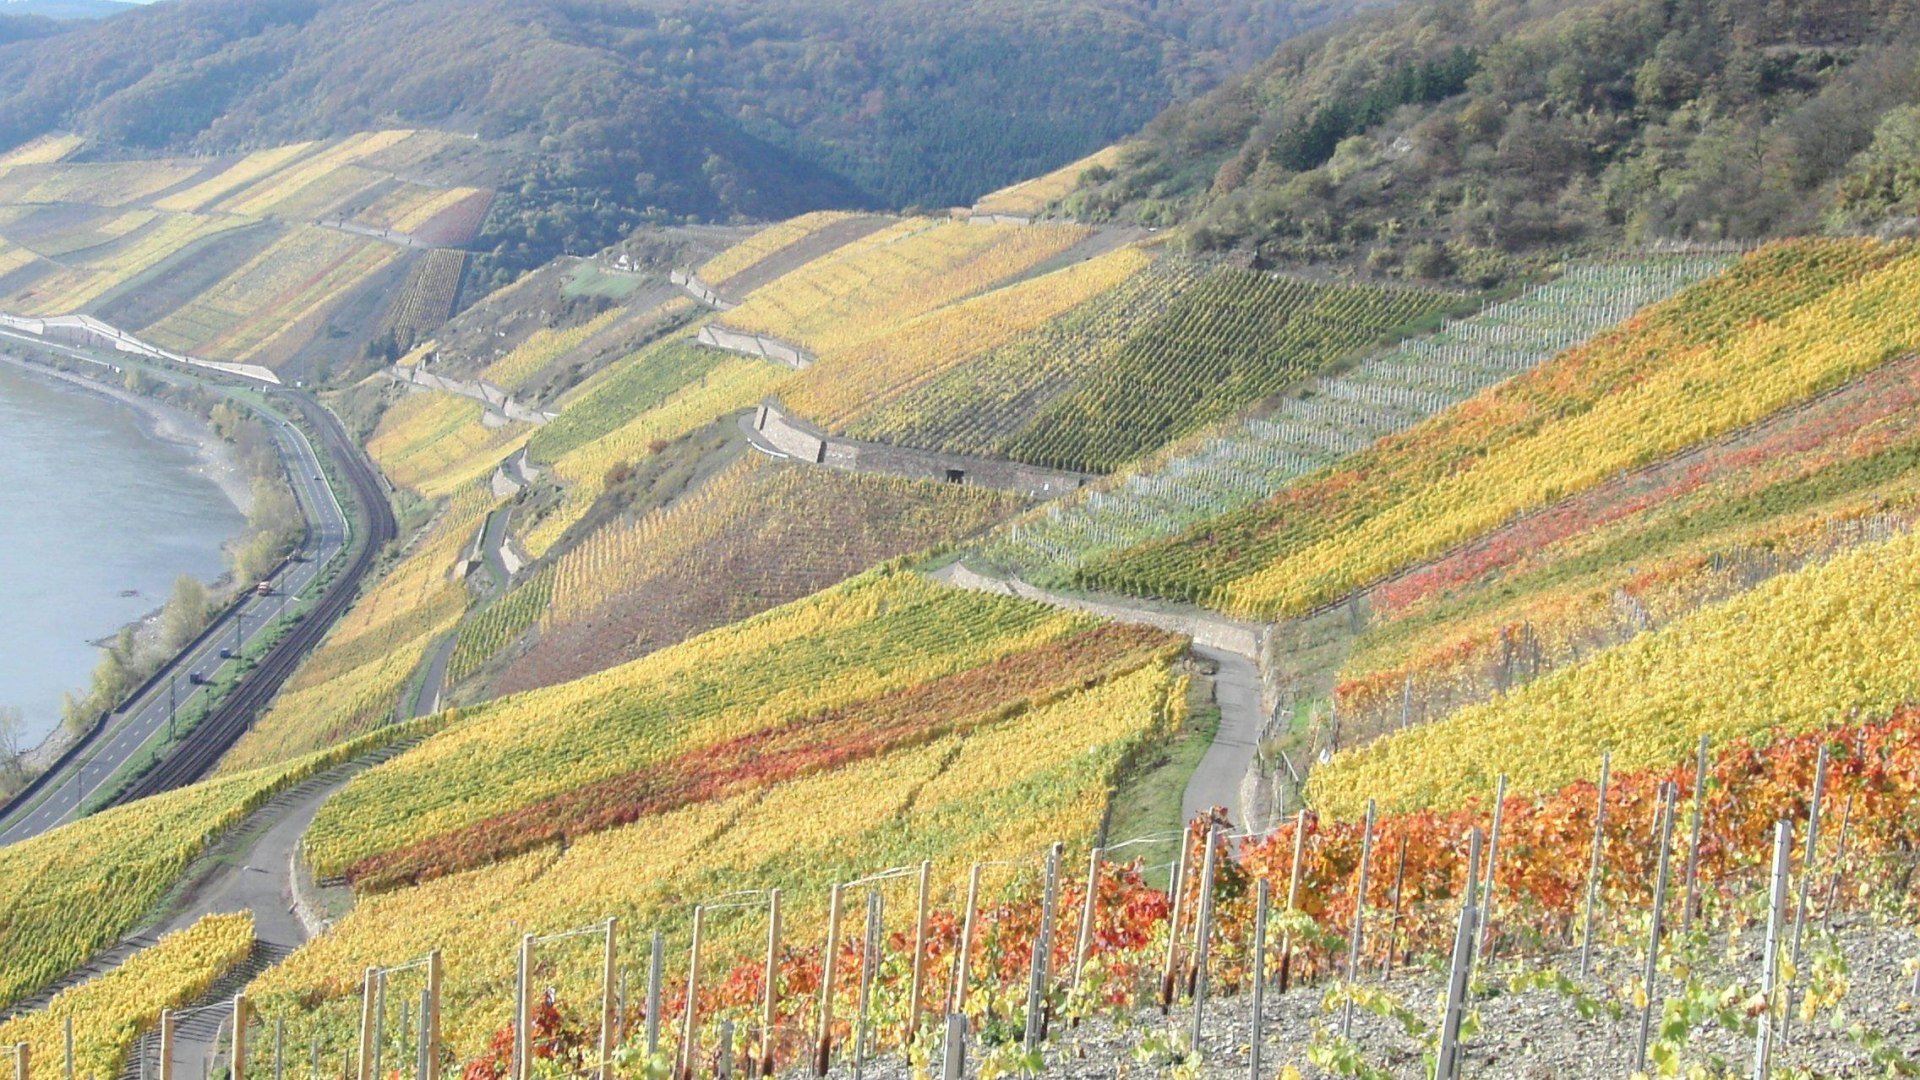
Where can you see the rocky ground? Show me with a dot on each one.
(1533, 1024)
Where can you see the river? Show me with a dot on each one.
(98, 516)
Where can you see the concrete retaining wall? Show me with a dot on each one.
(91, 332)
(499, 404)
(787, 437)
(798, 439)
(719, 337)
(700, 290)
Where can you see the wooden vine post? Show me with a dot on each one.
(1036, 1028)
(1770, 965)
(869, 968)
(523, 1013)
(364, 1066)
(166, 1044)
(656, 970)
(1807, 861)
(66, 1026)
(770, 1002)
(1258, 1010)
(1359, 921)
(919, 953)
(1693, 837)
(1087, 913)
(1668, 804)
(959, 1000)
(430, 1024)
(1203, 931)
(609, 981)
(1493, 866)
(1446, 1065)
(1177, 891)
(1293, 896)
(238, 1064)
(689, 1033)
(22, 1061)
(1393, 922)
(1595, 872)
(823, 1050)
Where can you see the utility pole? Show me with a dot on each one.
(173, 683)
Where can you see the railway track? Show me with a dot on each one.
(215, 735)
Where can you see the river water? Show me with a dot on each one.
(98, 516)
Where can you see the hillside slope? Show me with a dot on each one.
(608, 113)
(1478, 140)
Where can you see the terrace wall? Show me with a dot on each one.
(798, 439)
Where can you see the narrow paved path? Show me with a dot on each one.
(1230, 645)
(1217, 780)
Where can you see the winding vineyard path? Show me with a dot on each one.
(1234, 647)
(1222, 773)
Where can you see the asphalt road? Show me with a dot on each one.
(130, 728)
(1216, 782)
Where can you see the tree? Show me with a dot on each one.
(185, 613)
(13, 765)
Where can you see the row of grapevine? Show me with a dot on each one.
(1340, 414)
(980, 406)
(1800, 652)
(843, 386)
(755, 249)
(1029, 197)
(83, 278)
(304, 271)
(498, 626)
(314, 183)
(728, 387)
(983, 786)
(754, 537)
(623, 390)
(426, 300)
(109, 1011)
(69, 893)
(435, 443)
(1236, 338)
(878, 634)
(1024, 942)
(1636, 553)
(880, 281)
(1782, 326)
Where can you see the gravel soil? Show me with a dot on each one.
(1531, 1033)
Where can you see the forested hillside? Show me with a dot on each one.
(610, 114)
(1476, 140)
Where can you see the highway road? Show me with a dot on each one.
(131, 728)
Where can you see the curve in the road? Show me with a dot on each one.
(217, 733)
(90, 767)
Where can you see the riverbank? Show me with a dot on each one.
(162, 421)
(213, 461)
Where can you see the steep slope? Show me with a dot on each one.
(1477, 140)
